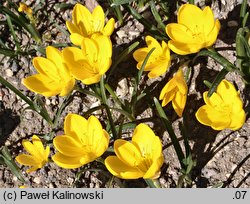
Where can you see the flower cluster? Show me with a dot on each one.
(57, 73)
(85, 140)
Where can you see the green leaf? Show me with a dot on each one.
(220, 76)
(156, 15)
(171, 133)
(11, 164)
(120, 2)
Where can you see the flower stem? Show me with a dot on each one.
(153, 183)
(105, 103)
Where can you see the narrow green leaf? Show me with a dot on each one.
(220, 76)
(217, 57)
(11, 163)
(148, 25)
(207, 83)
(244, 21)
(153, 183)
(171, 133)
(114, 96)
(191, 1)
(120, 2)
(243, 9)
(105, 103)
(156, 15)
(12, 31)
(240, 51)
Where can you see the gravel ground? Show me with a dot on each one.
(222, 157)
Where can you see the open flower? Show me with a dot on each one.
(176, 91)
(53, 76)
(140, 158)
(196, 29)
(85, 24)
(38, 155)
(83, 142)
(158, 61)
(224, 109)
(90, 62)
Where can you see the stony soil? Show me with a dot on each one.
(222, 157)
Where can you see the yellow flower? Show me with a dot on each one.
(90, 62)
(224, 109)
(24, 8)
(38, 155)
(158, 61)
(83, 142)
(53, 75)
(85, 24)
(140, 158)
(176, 91)
(196, 29)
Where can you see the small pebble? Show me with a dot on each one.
(9, 72)
(37, 180)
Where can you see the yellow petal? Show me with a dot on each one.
(26, 160)
(180, 33)
(69, 86)
(208, 17)
(103, 144)
(73, 57)
(42, 84)
(109, 27)
(153, 43)
(147, 142)
(157, 68)
(68, 146)
(66, 162)
(154, 170)
(72, 27)
(169, 96)
(226, 91)
(127, 153)
(104, 45)
(237, 120)
(82, 18)
(55, 56)
(140, 54)
(184, 48)
(179, 102)
(75, 126)
(90, 49)
(34, 168)
(38, 145)
(212, 101)
(46, 67)
(191, 16)
(212, 36)
(94, 135)
(210, 117)
(119, 169)
(91, 79)
(76, 39)
(97, 19)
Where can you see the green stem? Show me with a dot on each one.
(60, 109)
(153, 183)
(105, 103)
(87, 92)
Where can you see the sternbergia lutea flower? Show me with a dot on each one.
(224, 109)
(195, 29)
